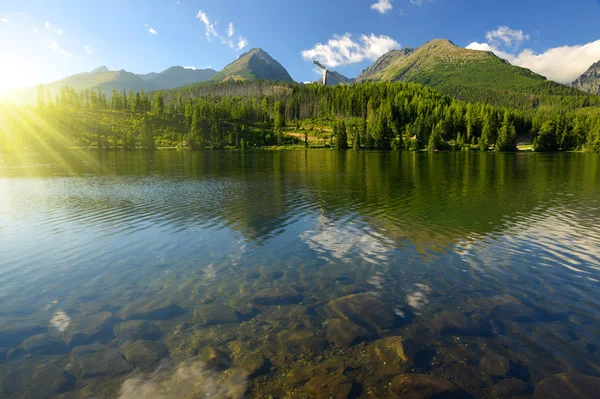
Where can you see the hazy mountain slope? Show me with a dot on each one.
(177, 76)
(106, 81)
(589, 82)
(256, 64)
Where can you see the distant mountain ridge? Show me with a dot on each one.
(256, 64)
(589, 82)
(108, 80)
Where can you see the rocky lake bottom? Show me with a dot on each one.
(269, 277)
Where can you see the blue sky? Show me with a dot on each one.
(41, 41)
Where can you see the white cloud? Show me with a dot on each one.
(88, 49)
(242, 42)
(561, 64)
(151, 30)
(343, 50)
(211, 32)
(4, 20)
(210, 28)
(190, 67)
(54, 29)
(382, 6)
(54, 46)
(506, 37)
(35, 31)
(488, 47)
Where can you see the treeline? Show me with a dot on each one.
(400, 115)
(366, 116)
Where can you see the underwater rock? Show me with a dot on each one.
(495, 365)
(43, 344)
(502, 307)
(216, 314)
(572, 386)
(214, 358)
(456, 323)
(274, 296)
(463, 354)
(254, 364)
(300, 375)
(554, 331)
(329, 387)
(387, 356)
(97, 327)
(510, 388)
(364, 309)
(345, 333)
(135, 330)
(96, 360)
(28, 379)
(150, 310)
(422, 386)
(300, 341)
(144, 355)
(16, 353)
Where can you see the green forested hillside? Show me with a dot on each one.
(469, 75)
(390, 115)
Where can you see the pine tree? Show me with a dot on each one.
(158, 103)
(436, 138)
(507, 135)
(342, 137)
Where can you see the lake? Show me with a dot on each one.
(299, 274)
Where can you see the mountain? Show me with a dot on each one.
(441, 62)
(107, 80)
(471, 75)
(589, 82)
(335, 78)
(102, 68)
(177, 76)
(99, 78)
(147, 76)
(256, 64)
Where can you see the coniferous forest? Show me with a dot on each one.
(376, 116)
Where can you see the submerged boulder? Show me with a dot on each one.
(274, 296)
(495, 365)
(364, 309)
(422, 386)
(96, 361)
(503, 307)
(345, 333)
(43, 344)
(215, 358)
(572, 386)
(456, 323)
(300, 341)
(387, 356)
(144, 355)
(510, 388)
(150, 310)
(254, 364)
(216, 314)
(97, 327)
(135, 330)
(335, 386)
